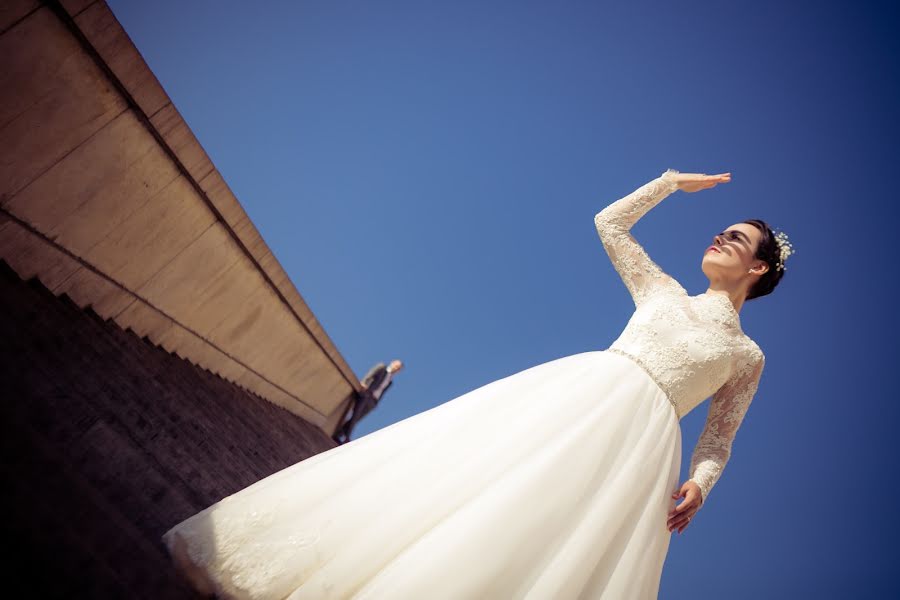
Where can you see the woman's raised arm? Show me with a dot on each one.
(641, 275)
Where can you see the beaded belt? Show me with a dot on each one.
(641, 364)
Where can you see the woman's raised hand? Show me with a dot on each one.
(694, 182)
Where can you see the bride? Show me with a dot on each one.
(557, 482)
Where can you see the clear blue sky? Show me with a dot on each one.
(428, 173)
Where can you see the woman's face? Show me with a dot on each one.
(731, 252)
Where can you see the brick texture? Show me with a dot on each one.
(109, 440)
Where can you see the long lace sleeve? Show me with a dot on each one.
(726, 411)
(641, 275)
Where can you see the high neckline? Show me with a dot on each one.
(727, 302)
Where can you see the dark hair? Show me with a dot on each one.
(767, 251)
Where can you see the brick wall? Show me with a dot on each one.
(108, 441)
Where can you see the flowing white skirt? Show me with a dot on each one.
(549, 484)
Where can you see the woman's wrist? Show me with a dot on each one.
(668, 178)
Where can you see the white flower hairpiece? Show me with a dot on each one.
(785, 249)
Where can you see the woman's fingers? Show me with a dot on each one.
(680, 508)
(713, 179)
(695, 182)
(686, 509)
(679, 523)
(682, 515)
(697, 176)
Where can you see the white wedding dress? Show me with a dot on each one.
(553, 483)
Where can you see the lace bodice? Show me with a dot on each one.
(692, 346)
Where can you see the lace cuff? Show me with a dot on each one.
(666, 177)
